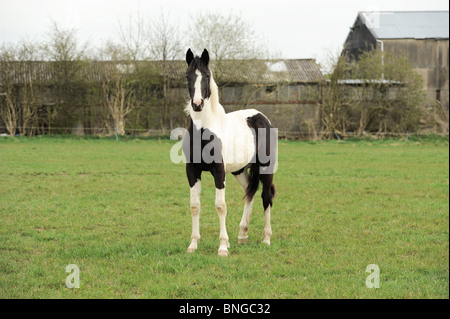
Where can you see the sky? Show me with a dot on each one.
(293, 28)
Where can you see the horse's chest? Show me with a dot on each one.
(202, 146)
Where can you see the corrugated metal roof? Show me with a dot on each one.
(227, 72)
(274, 71)
(366, 81)
(407, 24)
(298, 70)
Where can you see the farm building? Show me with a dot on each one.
(68, 97)
(423, 36)
(287, 91)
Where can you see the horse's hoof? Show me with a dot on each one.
(267, 242)
(242, 240)
(191, 250)
(223, 253)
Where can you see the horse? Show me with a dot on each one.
(242, 143)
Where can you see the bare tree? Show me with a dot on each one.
(20, 88)
(118, 95)
(390, 92)
(227, 37)
(164, 39)
(164, 43)
(132, 38)
(111, 51)
(358, 98)
(8, 112)
(67, 57)
(63, 45)
(31, 90)
(333, 106)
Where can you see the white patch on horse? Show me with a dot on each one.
(198, 88)
(239, 140)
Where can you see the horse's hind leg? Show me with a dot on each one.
(243, 180)
(268, 194)
(245, 221)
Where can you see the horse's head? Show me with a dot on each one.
(198, 77)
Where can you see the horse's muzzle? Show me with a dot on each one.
(195, 107)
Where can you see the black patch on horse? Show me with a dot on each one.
(239, 172)
(265, 143)
(203, 151)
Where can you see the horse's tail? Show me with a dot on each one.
(254, 179)
(264, 143)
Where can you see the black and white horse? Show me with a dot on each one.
(242, 143)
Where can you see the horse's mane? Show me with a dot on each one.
(215, 105)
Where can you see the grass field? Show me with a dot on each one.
(120, 212)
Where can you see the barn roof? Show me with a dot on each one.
(407, 24)
(225, 72)
(266, 72)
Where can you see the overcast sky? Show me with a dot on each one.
(296, 29)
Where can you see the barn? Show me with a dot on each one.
(287, 91)
(423, 36)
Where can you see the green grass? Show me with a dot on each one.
(120, 211)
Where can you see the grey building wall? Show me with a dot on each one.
(292, 108)
(429, 58)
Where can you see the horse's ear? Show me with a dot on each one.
(189, 56)
(205, 57)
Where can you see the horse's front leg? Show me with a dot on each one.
(195, 213)
(221, 208)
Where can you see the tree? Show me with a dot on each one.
(164, 45)
(118, 97)
(164, 39)
(62, 45)
(334, 104)
(8, 106)
(368, 95)
(390, 97)
(20, 88)
(68, 61)
(31, 90)
(227, 37)
(132, 38)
